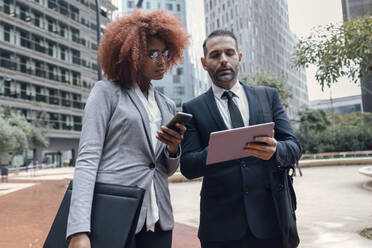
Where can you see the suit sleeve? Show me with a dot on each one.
(194, 154)
(288, 150)
(95, 120)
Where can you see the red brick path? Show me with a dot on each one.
(26, 216)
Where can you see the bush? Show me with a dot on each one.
(352, 132)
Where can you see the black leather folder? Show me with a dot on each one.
(115, 212)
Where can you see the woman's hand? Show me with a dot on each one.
(171, 138)
(79, 240)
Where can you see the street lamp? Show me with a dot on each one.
(139, 4)
(98, 19)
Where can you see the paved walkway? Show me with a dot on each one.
(26, 216)
(333, 207)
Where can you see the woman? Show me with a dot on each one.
(124, 120)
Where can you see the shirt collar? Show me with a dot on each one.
(151, 93)
(218, 91)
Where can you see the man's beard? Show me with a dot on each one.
(223, 78)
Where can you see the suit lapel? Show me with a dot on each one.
(214, 111)
(255, 115)
(145, 119)
(165, 117)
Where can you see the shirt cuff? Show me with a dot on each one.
(277, 156)
(173, 156)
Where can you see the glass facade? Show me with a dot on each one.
(48, 62)
(264, 38)
(356, 8)
(188, 79)
(343, 105)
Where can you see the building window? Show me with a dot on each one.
(178, 7)
(7, 33)
(148, 5)
(179, 90)
(77, 123)
(130, 4)
(160, 89)
(76, 101)
(176, 79)
(36, 20)
(178, 102)
(53, 96)
(169, 6)
(63, 53)
(179, 71)
(52, 4)
(41, 94)
(54, 120)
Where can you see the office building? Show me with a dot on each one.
(343, 105)
(48, 66)
(264, 38)
(188, 79)
(357, 8)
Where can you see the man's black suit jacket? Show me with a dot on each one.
(236, 194)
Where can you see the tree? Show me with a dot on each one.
(266, 78)
(313, 119)
(313, 124)
(17, 134)
(338, 50)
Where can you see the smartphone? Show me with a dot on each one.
(181, 118)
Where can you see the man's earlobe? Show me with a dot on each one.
(202, 60)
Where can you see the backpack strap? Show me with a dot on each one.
(267, 111)
(262, 96)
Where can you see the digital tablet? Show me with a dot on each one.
(228, 144)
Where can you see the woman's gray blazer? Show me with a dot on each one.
(115, 147)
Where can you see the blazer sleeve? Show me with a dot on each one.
(97, 114)
(194, 156)
(288, 150)
(171, 163)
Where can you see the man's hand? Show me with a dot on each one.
(263, 151)
(171, 138)
(79, 240)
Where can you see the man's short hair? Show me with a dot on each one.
(219, 32)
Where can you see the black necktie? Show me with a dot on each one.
(236, 117)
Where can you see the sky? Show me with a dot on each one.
(303, 16)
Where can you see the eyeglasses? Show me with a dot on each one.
(155, 56)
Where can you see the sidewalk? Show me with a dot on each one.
(333, 206)
(44, 174)
(26, 216)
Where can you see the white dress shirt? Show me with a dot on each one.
(240, 99)
(154, 115)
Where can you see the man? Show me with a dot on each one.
(237, 207)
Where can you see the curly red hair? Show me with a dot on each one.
(124, 44)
